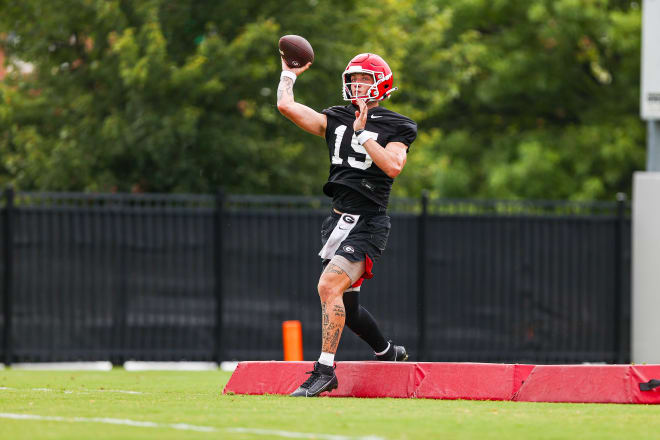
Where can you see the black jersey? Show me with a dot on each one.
(351, 168)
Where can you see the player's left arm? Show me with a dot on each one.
(390, 159)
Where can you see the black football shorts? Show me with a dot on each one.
(366, 241)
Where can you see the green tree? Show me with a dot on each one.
(514, 98)
(525, 99)
(155, 96)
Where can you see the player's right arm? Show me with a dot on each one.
(304, 117)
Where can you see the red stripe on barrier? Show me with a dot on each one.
(474, 381)
(520, 374)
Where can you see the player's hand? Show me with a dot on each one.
(296, 70)
(360, 116)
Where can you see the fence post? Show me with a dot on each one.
(120, 303)
(7, 283)
(217, 252)
(619, 318)
(421, 278)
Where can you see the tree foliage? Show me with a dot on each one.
(514, 98)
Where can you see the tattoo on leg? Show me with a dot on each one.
(334, 341)
(332, 268)
(331, 338)
(325, 331)
(333, 324)
(339, 311)
(324, 316)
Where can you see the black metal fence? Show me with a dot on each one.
(155, 277)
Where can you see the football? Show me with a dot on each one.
(296, 51)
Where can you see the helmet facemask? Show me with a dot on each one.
(369, 91)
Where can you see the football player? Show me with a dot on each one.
(367, 145)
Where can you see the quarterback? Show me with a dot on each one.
(367, 146)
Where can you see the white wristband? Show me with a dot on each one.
(363, 137)
(288, 74)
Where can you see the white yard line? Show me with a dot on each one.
(128, 422)
(169, 366)
(118, 391)
(290, 434)
(76, 392)
(63, 366)
(228, 365)
(184, 427)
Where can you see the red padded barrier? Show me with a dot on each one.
(356, 379)
(576, 383)
(471, 381)
(474, 381)
(386, 379)
(641, 374)
(266, 377)
(590, 383)
(375, 379)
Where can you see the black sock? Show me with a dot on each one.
(360, 321)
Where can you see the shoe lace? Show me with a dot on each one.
(310, 380)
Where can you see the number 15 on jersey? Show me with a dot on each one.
(352, 161)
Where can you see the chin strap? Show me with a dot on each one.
(387, 94)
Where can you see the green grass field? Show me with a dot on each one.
(149, 405)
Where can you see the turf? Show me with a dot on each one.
(195, 398)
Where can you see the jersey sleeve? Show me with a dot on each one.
(406, 133)
(331, 124)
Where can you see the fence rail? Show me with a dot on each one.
(212, 277)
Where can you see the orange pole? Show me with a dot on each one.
(292, 339)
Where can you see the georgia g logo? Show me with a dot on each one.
(348, 219)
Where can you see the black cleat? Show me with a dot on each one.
(396, 353)
(322, 379)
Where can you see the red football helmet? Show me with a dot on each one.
(375, 66)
